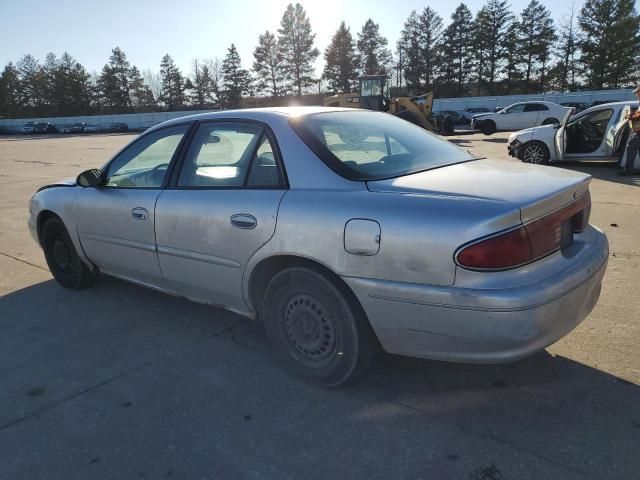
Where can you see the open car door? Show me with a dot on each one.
(620, 133)
(561, 136)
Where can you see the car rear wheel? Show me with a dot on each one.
(535, 152)
(488, 127)
(315, 329)
(550, 121)
(62, 259)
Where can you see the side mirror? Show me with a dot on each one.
(90, 178)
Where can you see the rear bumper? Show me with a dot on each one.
(485, 325)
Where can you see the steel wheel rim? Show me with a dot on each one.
(534, 154)
(62, 255)
(310, 329)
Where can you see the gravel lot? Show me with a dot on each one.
(122, 382)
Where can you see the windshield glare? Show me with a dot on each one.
(373, 145)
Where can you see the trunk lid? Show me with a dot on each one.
(536, 190)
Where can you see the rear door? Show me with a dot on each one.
(220, 208)
(534, 114)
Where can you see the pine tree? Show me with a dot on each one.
(236, 79)
(140, 93)
(9, 95)
(267, 64)
(420, 42)
(491, 26)
(295, 40)
(201, 83)
(458, 47)
(513, 58)
(71, 89)
(172, 83)
(113, 82)
(375, 57)
(611, 31)
(567, 51)
(31, 84)
(341, 61)
(410, 52)
(537, 35)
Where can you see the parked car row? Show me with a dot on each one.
(81, 127)
(40, 127)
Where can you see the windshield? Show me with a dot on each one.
(364, 145)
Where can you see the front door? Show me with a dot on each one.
(586, 134)
(513, 118)
(220, 210)
(116, 220)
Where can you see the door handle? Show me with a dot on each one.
(244, 221)
(140, 213)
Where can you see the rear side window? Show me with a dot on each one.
(225, 154)
(535, 107)
(362, 145)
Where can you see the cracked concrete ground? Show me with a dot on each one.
(123, 382)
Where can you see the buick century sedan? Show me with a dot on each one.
(342, 230)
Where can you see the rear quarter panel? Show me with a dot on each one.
(419, 233)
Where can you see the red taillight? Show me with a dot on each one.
(530, 242)
(499, 252)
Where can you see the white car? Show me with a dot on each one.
(520, 115)
(596, 134)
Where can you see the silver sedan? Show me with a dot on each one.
(342, 230)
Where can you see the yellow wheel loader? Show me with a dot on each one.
(373, 96)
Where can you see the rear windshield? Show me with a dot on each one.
(365, 145)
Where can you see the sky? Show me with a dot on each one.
(186, 29)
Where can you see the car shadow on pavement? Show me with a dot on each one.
(576, 420)
(606, 171)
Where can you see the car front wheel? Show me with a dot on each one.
(488, 127)
(62, 259)
(535, 152)
(317, 331)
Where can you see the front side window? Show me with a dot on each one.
(519, 108)
(229, 154)
(373, 145)
(144, 164)
(586, 133)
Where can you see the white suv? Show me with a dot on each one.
(519, 116)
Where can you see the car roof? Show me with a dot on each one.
(610, 104)
(261, 114)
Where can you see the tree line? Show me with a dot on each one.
(495, 51)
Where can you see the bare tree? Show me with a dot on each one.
(154, 81)
(215, 70)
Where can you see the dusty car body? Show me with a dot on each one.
(458, 259)
(599, 134)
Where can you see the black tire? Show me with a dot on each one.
(550, 121)
(315, 329)
(62, 259)
(488, 127)
(535, 152)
